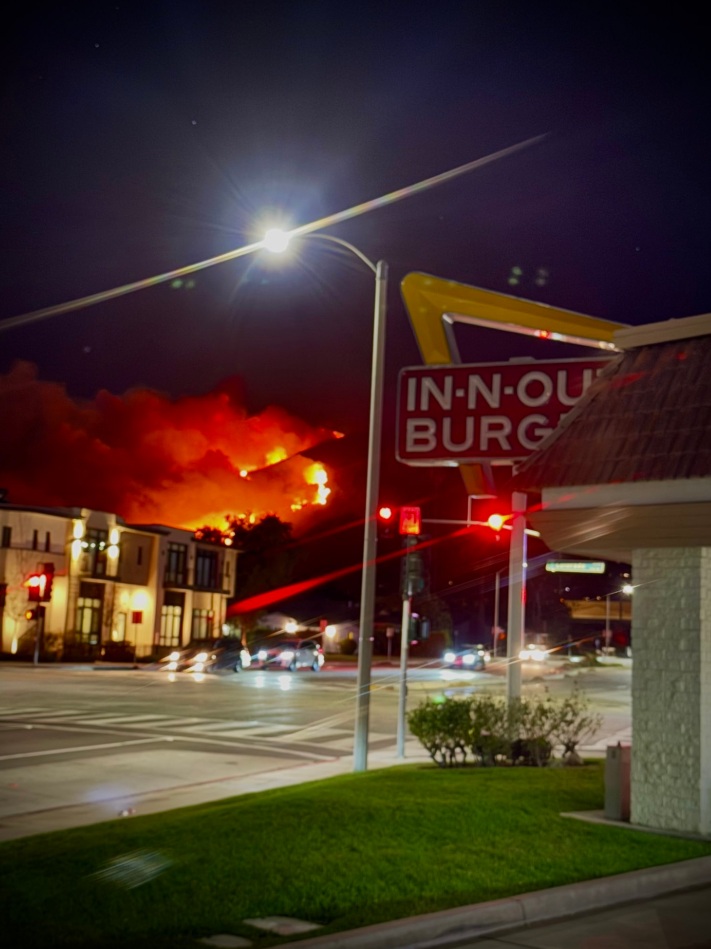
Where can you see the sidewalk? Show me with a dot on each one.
(659, 908)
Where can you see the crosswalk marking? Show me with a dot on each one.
(261, 731)
(14, 712)
(126, 719)
(335, 736)
(212, 725)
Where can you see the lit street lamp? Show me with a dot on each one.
(277, 240)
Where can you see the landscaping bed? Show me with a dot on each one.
(344, 852)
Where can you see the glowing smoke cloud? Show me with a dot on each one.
(150, 459)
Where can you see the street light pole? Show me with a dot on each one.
(277, 240)
(367, 596)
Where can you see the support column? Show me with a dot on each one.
(671, 689)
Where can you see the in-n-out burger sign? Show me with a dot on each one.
(489, 412)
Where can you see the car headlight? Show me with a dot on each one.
(468, 659)
(524, 654)
(538, 655)
(246, 658)
(262, 655)
(201, 657)
(449, 657)
(174, 656)
(172, 665)
(199, 666)
(287, 655)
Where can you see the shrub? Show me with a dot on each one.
(444, 729)
(490, 735)
(532, 724)
(524, 732)
(573, 723)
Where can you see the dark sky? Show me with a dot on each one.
(137, 138)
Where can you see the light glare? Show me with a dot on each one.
(276, 240)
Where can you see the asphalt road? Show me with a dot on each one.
(114, 741)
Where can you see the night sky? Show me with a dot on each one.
(137, 138)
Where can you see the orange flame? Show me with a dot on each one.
(186, 462)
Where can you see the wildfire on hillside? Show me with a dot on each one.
(185, 462)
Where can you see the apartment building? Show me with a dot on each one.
(114, 588)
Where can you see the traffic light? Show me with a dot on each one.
(39, 585)
(407, 520)
(49, 578)
(410, 521)
(498, 523)
(386, 520)
(35, 587)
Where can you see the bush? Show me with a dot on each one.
(523, 732)
(444, 728)
(574, 722)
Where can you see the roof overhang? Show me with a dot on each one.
(610, 521)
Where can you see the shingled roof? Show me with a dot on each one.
(647, 417)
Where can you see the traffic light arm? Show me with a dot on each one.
(459, 523)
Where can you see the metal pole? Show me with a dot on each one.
(36, 654)
(517, 596)
(404, 649)
(608, 631)
(367, 596)
(496, 611)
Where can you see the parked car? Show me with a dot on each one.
(290, 654)
(209, 655)
(473, 657)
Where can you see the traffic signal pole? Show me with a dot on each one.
(404, 651)
(517, 596)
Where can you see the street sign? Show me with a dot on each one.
(488, 412)
(575, 566)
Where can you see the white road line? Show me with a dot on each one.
(65, 751)
(125, 719)
(264, 731)
(14, 712)
(310, 732)
(214, 725)
(67, 713)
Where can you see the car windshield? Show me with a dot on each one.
(287, 645)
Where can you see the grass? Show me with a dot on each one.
(344, 852)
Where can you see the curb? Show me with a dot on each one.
(449, 927)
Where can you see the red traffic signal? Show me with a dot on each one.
(36, 585)
(39, 585)
(407, 519)
(410, 520)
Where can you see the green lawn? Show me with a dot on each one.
(344, 852)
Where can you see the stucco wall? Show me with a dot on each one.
(671, 689)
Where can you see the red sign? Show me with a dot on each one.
(410, 520)
(136, 617)
(491, 412)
